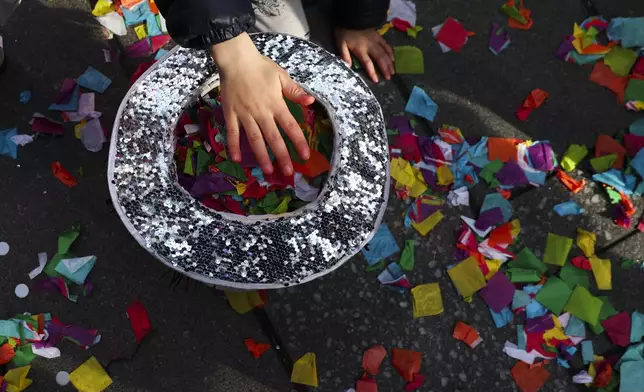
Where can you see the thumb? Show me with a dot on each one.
(293, 92)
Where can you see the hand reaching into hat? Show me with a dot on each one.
(369, 47)
(252, 87)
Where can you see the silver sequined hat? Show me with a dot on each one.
(254, 252)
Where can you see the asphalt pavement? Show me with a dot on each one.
(197, 342)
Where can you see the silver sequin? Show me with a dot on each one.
(258, 251)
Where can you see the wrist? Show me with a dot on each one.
(233, 52)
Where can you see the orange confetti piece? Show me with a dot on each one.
(406, 362)
(573, 185)
(503, 149)
(467, 334)
(63, 175)
(529, 378)
(6, 354)
(314, 166)
(505, 193)
(255, 348)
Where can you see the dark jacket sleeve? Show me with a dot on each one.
(203, 23)
(359, 14)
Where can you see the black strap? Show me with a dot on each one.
(276, 343)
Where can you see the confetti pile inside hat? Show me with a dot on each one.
(243, 188)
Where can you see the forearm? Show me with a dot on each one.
(235, 51)
(203, 23)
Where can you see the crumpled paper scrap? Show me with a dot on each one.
(586, 241)
(406, 362)
(466, 334)
(602, 272)
(372, 358)
(573, 156)
(90, 377)
(427, 300)
(421, 104)
(256, 348)
(63, 175)
(535, 99)
(568, 208)
(305, 371)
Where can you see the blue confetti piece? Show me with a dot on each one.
(568, 208)
(7, 146)
(381, 246)
(94, 80)
(25, 96)
(421, 104)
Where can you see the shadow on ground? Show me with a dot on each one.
(197, 342)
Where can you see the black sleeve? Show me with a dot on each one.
(359, 14)
(203, 23)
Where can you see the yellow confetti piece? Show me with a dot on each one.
(413, 31)
(432, 200)
(428, 224)
(494, 266)
(467, 277)
(385, 28)
(241, 188)
(78, 129)
(282, 207)
(427, 300)
(516, 228)
(418, 187)
(102, 7)
(305, 371)
(140, 32)
(90, 377)
(602, 271)
(17, 380)
(12, 342)
(408, 176)
(444, 176)
(586, 242)
(557, 332)
(243, 301)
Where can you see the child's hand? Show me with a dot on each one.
(251, 90)
(369, 47)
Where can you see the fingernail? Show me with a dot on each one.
(306, 154)
(287, 170)
(268, 169)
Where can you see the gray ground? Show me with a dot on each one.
(197, 343)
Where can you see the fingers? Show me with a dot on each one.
(367, 64)
(293, 131)
(232, 135)
(383, 60)
(345, 53)
(293, 91)
(275, 141)
(385, 45)
(257, 143)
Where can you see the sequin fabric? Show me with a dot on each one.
(249, 252)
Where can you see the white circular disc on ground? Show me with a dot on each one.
(22, 290)
(62, 378)
(4, 248)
